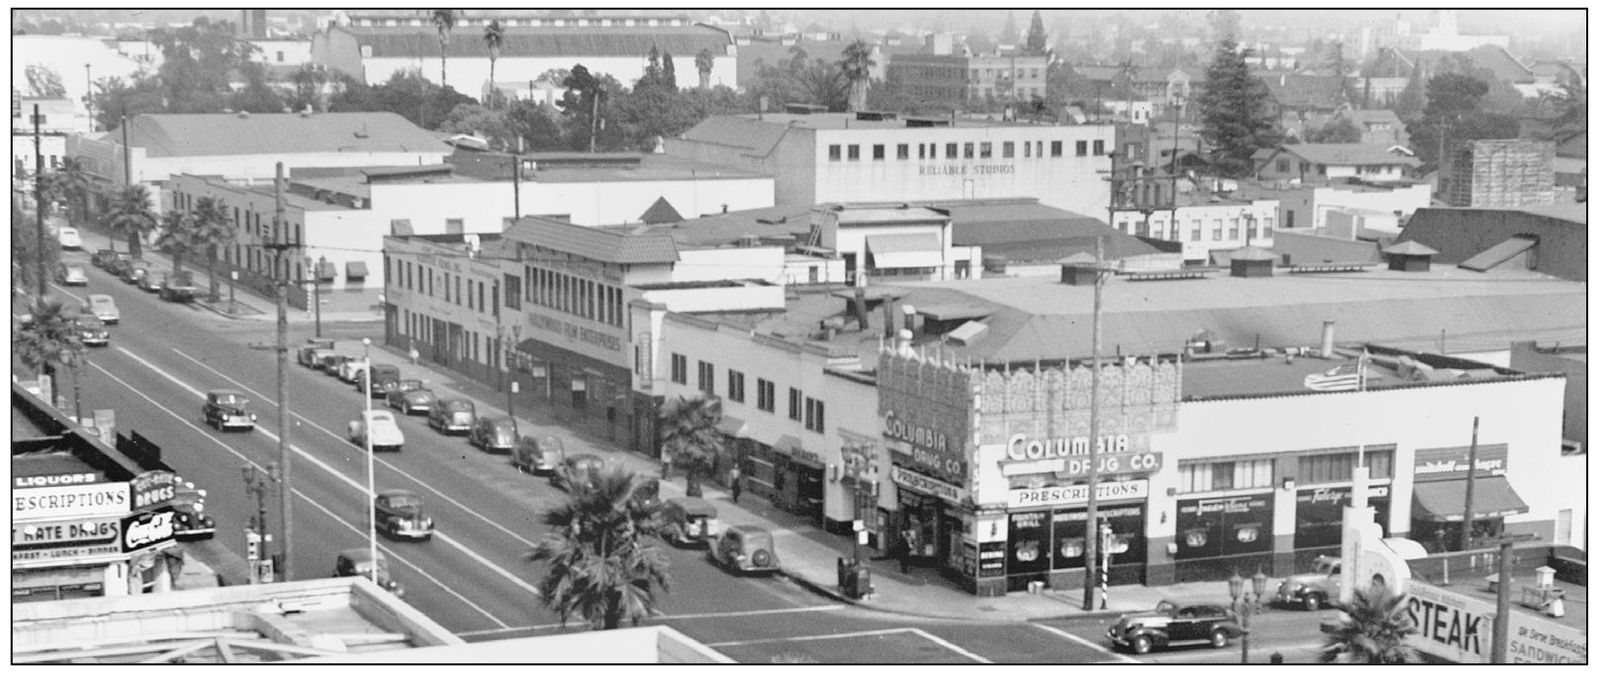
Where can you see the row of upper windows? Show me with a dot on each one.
(990, 73)
(1158, 229)
(807, 410)
(247, 221)
(421, 278)
(967, 150)
(1257, 473)
(575, 295)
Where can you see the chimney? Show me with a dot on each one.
(909, 318)
(1327, 350)
(860, 313)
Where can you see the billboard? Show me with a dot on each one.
(1458, 628)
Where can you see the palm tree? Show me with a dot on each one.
(690, 437)
(75, 186)
(177, 237)
(1373, 630)
(597, 565)
(493, 44)
(855, 65)
(47, 338)
(130, 214)
(444, 20)
(212, 232)
(705, 66)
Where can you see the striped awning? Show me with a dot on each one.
(356, 270)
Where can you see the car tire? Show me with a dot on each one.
(761, 558)
(1219, 638)
(1311, 602)
(1141, 644)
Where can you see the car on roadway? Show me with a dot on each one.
(1313, 589)
(71, 275)
(745, 548)
(357, 562)
(332, 363)
(104, 307)
(91, 331)
(314, 357)
(67, 237)
(304, 354)
(410, 397)
(380, 377)
(226, 409)
(540, 455)
(143, 280)
(1175, 622)
(498, 434)
(119, 267)
(576, 468)
(103, 258)
(177, 287)
(399, 514)
(689, 521)
(190, 521)
(452, 415)
(347, 371)
(377, 427)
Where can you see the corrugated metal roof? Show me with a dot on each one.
(682, 43)
(758, 137)
(607, 245)
(180, 135)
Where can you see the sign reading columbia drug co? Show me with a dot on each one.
(84, 500)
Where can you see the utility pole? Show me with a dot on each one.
(1091, 530)
(1467, 501)
(39, 205)
(280, 246)
(518, 161)
(595, 94)
(1503, 605)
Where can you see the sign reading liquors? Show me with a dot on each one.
(919, 483)
(1076, 494)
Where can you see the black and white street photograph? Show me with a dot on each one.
(793, 335)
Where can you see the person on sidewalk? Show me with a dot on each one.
(901, 550)
(412, 351)
(735, 478)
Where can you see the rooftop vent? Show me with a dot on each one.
(928, 122)
(805, 108)
(875, 115)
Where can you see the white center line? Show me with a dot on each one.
(949, 645)
(672, 617)
(1085, 642)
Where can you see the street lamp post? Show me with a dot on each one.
(368, 446)
(89, 97)
(258, 484)
(1245, 605)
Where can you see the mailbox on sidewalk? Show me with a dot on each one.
(853, 578)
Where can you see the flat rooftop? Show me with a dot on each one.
(1257, 376)
(847, 121)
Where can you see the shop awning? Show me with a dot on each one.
(1444, 501)
(731, 425)
(787, 443)
(356, 270)
(324, 270)
(911, 250)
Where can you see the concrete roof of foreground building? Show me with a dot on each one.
(639, 244)
(184, 135)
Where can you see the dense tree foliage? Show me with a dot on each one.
(1453, 114)
(1337, 130)
(1037, 39)
(597, 559)
(1235, 117)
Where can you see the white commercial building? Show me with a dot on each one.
(874, 157)
(1308, 205)
(1204, 223)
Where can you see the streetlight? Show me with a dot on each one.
(368, 446)
(89, 97)
(1244, 605)
(258, 483)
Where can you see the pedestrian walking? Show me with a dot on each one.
(735, 478)
(412, 351)
(901, 550)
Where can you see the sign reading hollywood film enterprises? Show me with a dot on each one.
(1459, 628)
(1076, 494)
(83, 500)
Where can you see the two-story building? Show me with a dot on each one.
(1205, 222)
(1317, 161)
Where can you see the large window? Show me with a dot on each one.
(1225, 475)
(1336, 467)
(970, 150)
(815, 415)
(705, 377)
(951, 150)
(853, 151)
(1009, 149)
(795, 404)
(1055, 149)
(878, 152)
(903, 151)
(767, 396)
(678, 368)
(1216, 229)
(1099, 147)
(736, 386)
(834, 152)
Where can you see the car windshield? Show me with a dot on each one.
(403, 501)
(381, 417)
(100, 301)
(411, 384)
(228, 399)
(457, 405)
(91, 322)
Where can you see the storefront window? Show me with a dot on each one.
(1336, 467)
(1215, 527)
(1319, 514)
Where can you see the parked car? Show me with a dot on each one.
(103, 258)
(225, 409)
(120, 266)
(1175, 622)
(1313, 589)
(646, 495)
(745, 548)
(68, 237)
(190, 521)
(378, 425)
(177, 287)
(332, 363)
(304, 355)
(104, 307)
(452, 415)
(348, 371)
(91, 331)
(538, 455)
(494, 433)
(579, 468)
(689, 521)
(384, 378)
(71, 275)
(143, 280)
(399, 513)
(410, 397)
(356, 562)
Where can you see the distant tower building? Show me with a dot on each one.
(254, 23)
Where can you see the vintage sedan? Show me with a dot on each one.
(121, 266)
(494, 433)
(576, 468)
(71, 275)
(226, 409)
(91, 331)
(1175, 622)
(538, 455)
(333, 363)
(103, 307)
(452, 415)
(411, 397)
(305, 354)
(68, 237)
(349, 370)
(399, 514)
(382, 378)
(745, 548)
(103, 258)
(143, 280)
(357, 562)
(190, 521)
(376, 427)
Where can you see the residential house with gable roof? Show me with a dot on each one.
(1318, 161)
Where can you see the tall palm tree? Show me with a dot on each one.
(130, 215)
(705, 66)
(444, 20)
(690, 437)
(1373, 630)
(855, 65)
(177, 237)
(597, 564)
(493, 44)
(212, 233)
(75, 187)
(47, 338)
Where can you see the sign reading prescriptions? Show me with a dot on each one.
(1076, 494)
(84, 500)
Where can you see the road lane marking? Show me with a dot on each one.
(64, 291)
(377, 461)
(362, 532)
(949, 645)
(1085, 642)
(841, 635)
(337, 474)
(674, 617)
